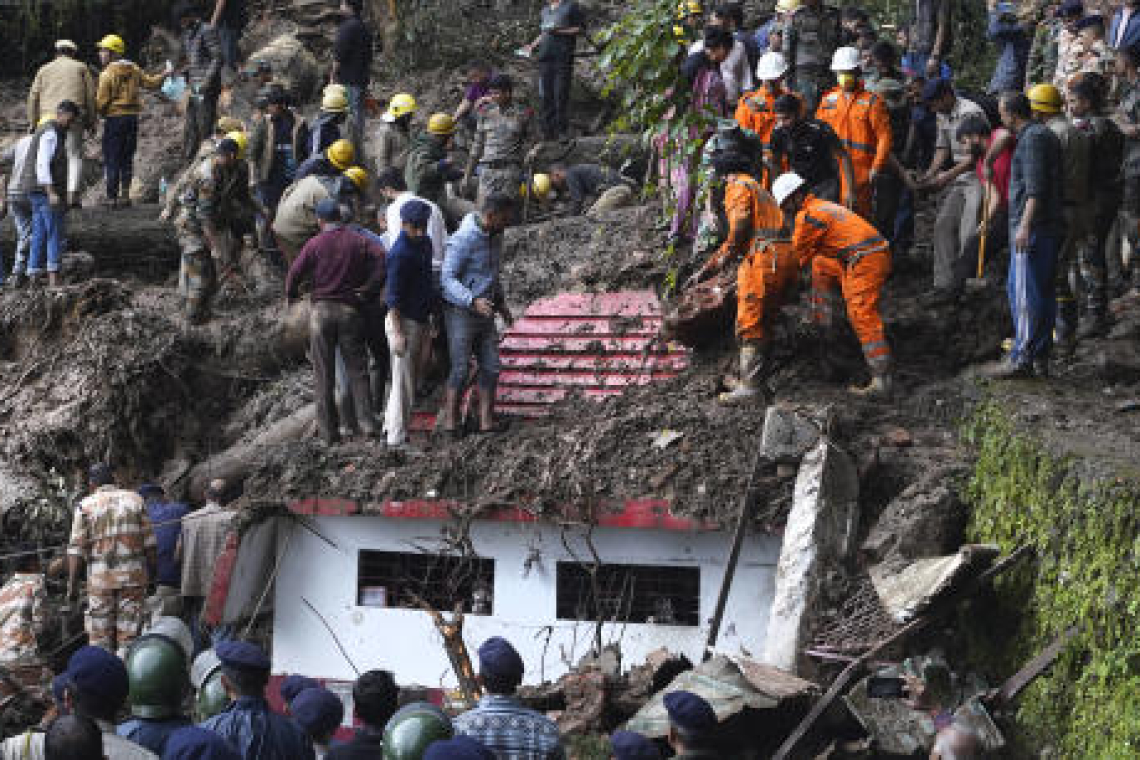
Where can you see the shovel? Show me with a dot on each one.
(984, 233)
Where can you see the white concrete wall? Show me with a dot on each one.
(406, 642)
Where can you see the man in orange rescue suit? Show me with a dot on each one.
(846, 253)
(766, 266)
(756, 113)
(861, 120)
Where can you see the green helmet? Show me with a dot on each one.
(212, 698)
(412, 729)
(157, 669)
(206, 677)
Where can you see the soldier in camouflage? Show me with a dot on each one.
(504, 128)
(112, 534)
(1127, 118)
(811, 35)
(1070, 46)
(23, 621)
(1043, 52)
(216, 208)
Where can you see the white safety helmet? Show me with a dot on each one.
(845, 59)
(785, 185)
(771, 66)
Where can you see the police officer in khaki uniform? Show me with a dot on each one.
(811, 35)
(504, 128)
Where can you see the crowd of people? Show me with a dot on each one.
(820, 167)
(826, 135)
(148, 684)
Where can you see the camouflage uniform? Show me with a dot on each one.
(23, 619)
(112, 533)
(501, 137)
(811, 36)
(1075, 145)
(1128, 114)
(1096, 59)
(1043, 53)
(218, 197)
(1070, 51)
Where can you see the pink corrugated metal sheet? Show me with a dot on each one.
(595, 345)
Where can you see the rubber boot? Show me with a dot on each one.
(53, 279)
(880, 387)
(747, 389)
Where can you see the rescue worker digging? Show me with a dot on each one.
(765, 270)
(845, 252)
(860, 119)
(216, 201)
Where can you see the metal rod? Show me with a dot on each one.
(332, 633)
(746, 509)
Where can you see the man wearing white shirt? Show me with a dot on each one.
(45, 174)
(395, 190)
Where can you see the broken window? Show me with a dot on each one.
(445, 582)
(629, 593)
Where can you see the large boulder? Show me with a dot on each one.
(293, 66)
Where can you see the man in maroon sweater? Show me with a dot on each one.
(343, 267)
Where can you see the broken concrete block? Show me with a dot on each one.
(907, 593)
(819, 534)
(787, 434)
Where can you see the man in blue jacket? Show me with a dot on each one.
(473, 294)
(248, 724)
(411, 297)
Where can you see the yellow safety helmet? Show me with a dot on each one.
(540, 185)
(114, 43)
(358, 176)
(341, 154)
(241, 140)
(1045, 98)
(441, 124)
(339, 89)
(687, 8)
(787, 6)
(334, 102)
(229, 124)
(400, 105)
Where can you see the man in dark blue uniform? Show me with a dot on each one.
(248, 724)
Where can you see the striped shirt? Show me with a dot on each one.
(22, 618)
(511, 731)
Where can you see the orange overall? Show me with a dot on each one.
(766, 265)
(861, 120)
(846, 253)
(756, 112)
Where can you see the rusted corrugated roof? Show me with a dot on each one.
(595, 345)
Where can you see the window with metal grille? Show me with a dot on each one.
(401, 579)
(630, 594)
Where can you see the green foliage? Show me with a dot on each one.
(1085, 530)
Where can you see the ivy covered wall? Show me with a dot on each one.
(1084, 524)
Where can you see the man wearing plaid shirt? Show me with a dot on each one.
(500, 722)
